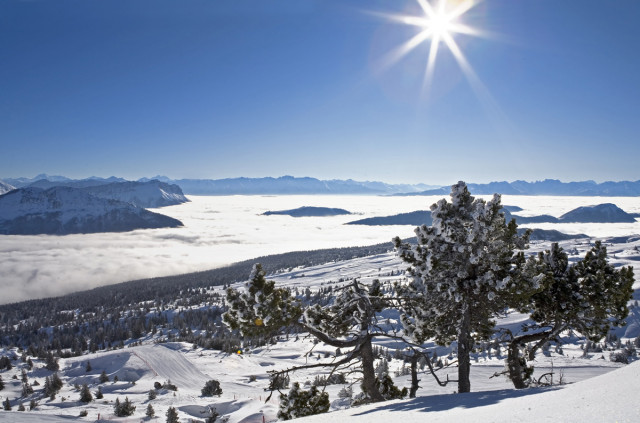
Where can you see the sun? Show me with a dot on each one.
(438, 24)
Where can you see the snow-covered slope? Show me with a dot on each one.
(611, 397)
(149, 194)
(65, 210)
(4, 187)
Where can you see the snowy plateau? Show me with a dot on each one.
(587, 386)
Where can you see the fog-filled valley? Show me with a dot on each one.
(220, 230)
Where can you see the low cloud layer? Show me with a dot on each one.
(219, 231)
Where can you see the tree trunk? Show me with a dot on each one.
(465, 343)
(368, 372)
(414, 376)
(514, 365)
(515, 362)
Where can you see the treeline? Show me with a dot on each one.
(106, 317)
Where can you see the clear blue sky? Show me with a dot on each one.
(227, 88)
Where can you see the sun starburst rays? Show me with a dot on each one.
(438, 24)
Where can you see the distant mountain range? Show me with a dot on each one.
(287, 185)
(59, 205)
(4, 187)
(147, 194)
(62, 210)
(546, 187)
(601, 213)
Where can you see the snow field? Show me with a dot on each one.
(243, 400)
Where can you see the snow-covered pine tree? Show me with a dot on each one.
(349, 323)
(589, 297)
(465, 270)
(262, 309)
(300, 403)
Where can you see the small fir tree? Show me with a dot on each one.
(104, 378)
(123, 409)
(150, 411)
(172, 415)
(211, 388)
(152, 394)
(99, 394)
(389, 390)
(300, 403)
(51, 363)
(26, 389)
(7, 405)
(85, 394)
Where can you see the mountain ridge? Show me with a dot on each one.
(66, 210)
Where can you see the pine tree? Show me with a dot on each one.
(211, 388)
(300, 403)
(85, 394)
(152, 394)
(589, 297)
(172, 415)
(213, 416)
(7, 405)
(1, 383)
(99, 394)
(51, 363)
(52, 385)
(104, 378)
(389, 390)
(349, 323)
(464, 272)
(123, 409)
(26, 389)
(88, 368)
(150, 411)
(268, 308)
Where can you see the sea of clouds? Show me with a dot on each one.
(222, 230)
